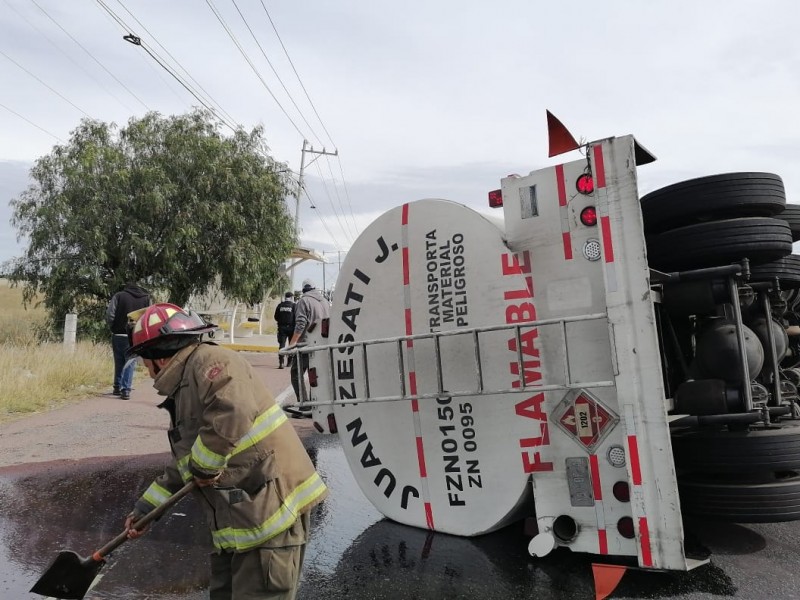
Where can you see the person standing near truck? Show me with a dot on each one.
(130, 298)
(284, 317)
(308, 313)
(255, 480)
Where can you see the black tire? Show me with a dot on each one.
(769, 501)
(791, 214)
(724, 196)
(786, 269)
(760, 239)
(756, 451)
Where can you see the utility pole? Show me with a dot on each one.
(307, 148)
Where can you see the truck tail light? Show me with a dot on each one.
(622, 491)
(625, 528)
(312, 376)
(495, 198)
(332, 423)
(589, 216)
(585, 184)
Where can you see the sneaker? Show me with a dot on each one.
(280, 366)
(115, 391)
(125, 395)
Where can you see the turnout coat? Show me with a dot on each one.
(224, 421)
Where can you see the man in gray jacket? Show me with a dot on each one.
(309, 311)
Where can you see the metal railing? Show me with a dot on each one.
(480, 389)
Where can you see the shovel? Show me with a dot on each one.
(70, 576)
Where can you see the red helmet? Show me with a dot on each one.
(161, 322)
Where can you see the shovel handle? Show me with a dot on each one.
(154, 514)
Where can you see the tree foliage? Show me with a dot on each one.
(166, 201)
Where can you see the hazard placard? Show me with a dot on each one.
(584, 418)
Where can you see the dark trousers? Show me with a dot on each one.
(122, 380)
(284, 335)
(260, 574)
(299, 369)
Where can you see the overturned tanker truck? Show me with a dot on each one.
(597, 363)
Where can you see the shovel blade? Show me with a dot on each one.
(68, 577)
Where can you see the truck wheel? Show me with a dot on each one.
(760, 239)
(753, 451)
(786, 269)
(768, 500)
(791, 214)
(709, 198)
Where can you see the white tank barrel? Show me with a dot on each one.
(457, 462)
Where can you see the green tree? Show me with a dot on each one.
(166, 201)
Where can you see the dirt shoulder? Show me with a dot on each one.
(107, 426)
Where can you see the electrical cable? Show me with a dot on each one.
(252, 66)
(13, 112)
(339, 200)
(330, 200)
(322, 220)
(185, 71)
(347, 195)
(57, 93)
(278, 77)
(72, 60)
(286, 52)
(91, 55)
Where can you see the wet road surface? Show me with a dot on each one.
(354, 553)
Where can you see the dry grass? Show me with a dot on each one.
(36, 377)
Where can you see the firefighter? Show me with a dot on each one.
(255, 479)
(284, 318)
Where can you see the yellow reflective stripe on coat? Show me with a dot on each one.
(156, 495)
(265, 423)
(306, 493)
(183, 468)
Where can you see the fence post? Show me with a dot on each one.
(70, 330)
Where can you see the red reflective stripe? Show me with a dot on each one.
(408, 325)
(644, 542)
(602, 539)
(412, 383)
(608, 247)
(567, 239)
(633, 451)
(599, 166)
(406, 277)
(405, 215)
(561, 185)
(595, 470)
(423, 472)
(429, 515)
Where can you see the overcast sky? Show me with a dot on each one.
(434, 98)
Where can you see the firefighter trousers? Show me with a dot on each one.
(260, 574)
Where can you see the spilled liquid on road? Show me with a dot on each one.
(353, 554)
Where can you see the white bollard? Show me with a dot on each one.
(70, 330)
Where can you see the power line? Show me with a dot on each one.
(339, 199)
(91, 55)
(136, 41)
(347, 195)
(330, 199)
(286, 52)
(179, 65)
(57, 93)
(72, 60)
(13, 112)
(269, 62)
(249, 62)
(322, 219)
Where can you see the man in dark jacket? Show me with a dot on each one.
(284, 317)
(129, 299)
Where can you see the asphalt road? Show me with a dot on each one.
(69, 478)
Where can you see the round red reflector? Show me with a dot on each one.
(589, 216)
(625, 528)
(622, 491)
(585, 184)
